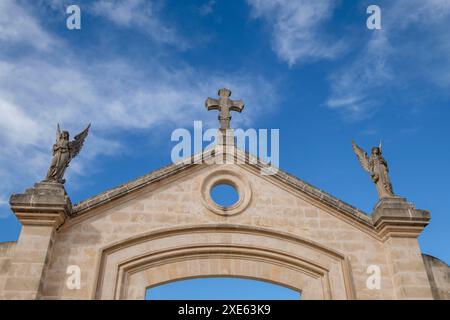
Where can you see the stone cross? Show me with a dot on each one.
(224, 104)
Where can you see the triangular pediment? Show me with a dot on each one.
(208, 161)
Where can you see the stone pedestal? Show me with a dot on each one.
(225, 148)
(396, 217)
(46, 203)
(41, 210)
(399, 224)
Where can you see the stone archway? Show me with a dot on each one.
(128, 268)
(164, 227)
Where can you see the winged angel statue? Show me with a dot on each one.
(377, 166)
(63, 152)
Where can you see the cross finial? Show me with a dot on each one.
(224, 104)
(224, 93)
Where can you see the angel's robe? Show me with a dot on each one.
(60, 160)
(380, 176)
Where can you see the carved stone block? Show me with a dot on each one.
(395, 216)
(46, 203)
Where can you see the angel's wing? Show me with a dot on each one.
(76, 145)
(362, 157)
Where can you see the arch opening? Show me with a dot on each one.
(224, 195)
(221, 288)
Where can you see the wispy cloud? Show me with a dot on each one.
(207, 8)
(140, 15)
(297, 28)
(394, 58)
(116, 95)
(17, 26)
(350, 85)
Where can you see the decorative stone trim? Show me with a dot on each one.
(396, 217)
(127, 268)
(41, 219)
(224, 176)
(46, 204)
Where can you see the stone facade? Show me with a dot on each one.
(439, 275)
(164, 227)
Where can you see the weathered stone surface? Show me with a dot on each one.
(377, 167)
(41, 210)
(46, 203)
(224, 104)
(63, 152)
(394, 207)
(6, 254)
(161, 227)
(438, 273)
(43, 197)
(394, 216)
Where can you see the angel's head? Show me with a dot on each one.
(65, 135)
(376, 151)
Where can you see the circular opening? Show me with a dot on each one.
(224, 195)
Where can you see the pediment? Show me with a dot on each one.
(242, 162)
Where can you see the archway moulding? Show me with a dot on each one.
(126, 269)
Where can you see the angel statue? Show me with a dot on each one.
(63, 152)
(377, 166)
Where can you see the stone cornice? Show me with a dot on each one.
(395, 217)
(46, 204)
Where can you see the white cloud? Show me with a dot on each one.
(13, 130)
(394, 57)
(17, 26)
(351, 84)
(297, 28)
(116, 95)
(207, 8)
(140, 15)
(417, 12)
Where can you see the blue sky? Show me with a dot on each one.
(208, 289)
(138, 69)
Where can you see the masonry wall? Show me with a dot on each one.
(6, 254)
(439, 276)
(80, 241)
